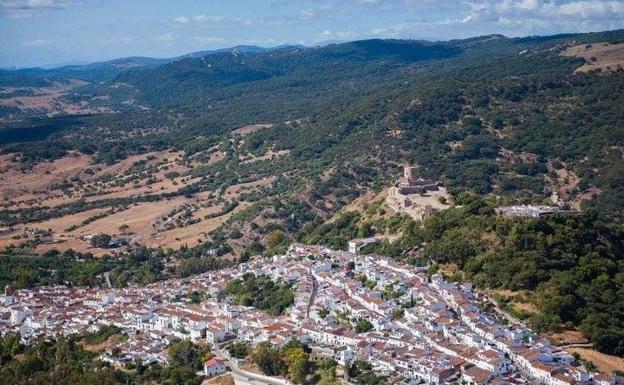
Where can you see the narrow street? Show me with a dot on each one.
(312, 296)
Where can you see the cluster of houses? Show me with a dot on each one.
(534, 211)
(423, 329)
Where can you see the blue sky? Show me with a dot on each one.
(44, 32)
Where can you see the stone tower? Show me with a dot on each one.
(409, 173)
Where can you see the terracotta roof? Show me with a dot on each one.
(214, 361)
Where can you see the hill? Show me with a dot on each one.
(490, 114)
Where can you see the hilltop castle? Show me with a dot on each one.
(416, 196)
(410, 184)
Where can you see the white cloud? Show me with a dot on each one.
(203, 18)
(540, 9)
(36, 4)
(198, 19)
(37, 43)
(327, 35)
(26, 8)
(181, 20)
(592, 9)
(208, 40)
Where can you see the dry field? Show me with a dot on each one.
(604, 362)
(167, 223)
(192, 234)
(39, 185)
(34, 186)
(49, 100)
(567, 337)
(359, 204)
(599, 56)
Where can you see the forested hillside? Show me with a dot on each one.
(489, 114)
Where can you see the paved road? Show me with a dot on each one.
(243, 377)
(510, 318)
(240, 379)
(588, 345)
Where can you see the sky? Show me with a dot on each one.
(54, 32)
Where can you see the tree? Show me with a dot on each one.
(268, 359)
(239, 350)
(101, 240)
(363, 326)
(364, 230)
(184, 353)
(327, 370)
(297, 360)
(277, 238)
(123, 228)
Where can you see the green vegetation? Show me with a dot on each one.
(363, 326)
(62, 361)
(277, 242)
(361, 372)
(185, 354)
(261, 292)
(101, 335)
(239, 350)
(139, 265)
(101, 240)
(292, 359)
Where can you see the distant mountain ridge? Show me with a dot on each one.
(106, 69)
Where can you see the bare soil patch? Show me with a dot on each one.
(224, 379)
(567, 337)
(598, 56)
(183, 220)
(35, 183)
(237, 189)
(246, 130)
(604, 362)
(50, 100)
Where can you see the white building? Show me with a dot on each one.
(214, 366)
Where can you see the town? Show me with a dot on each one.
(419, 328)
